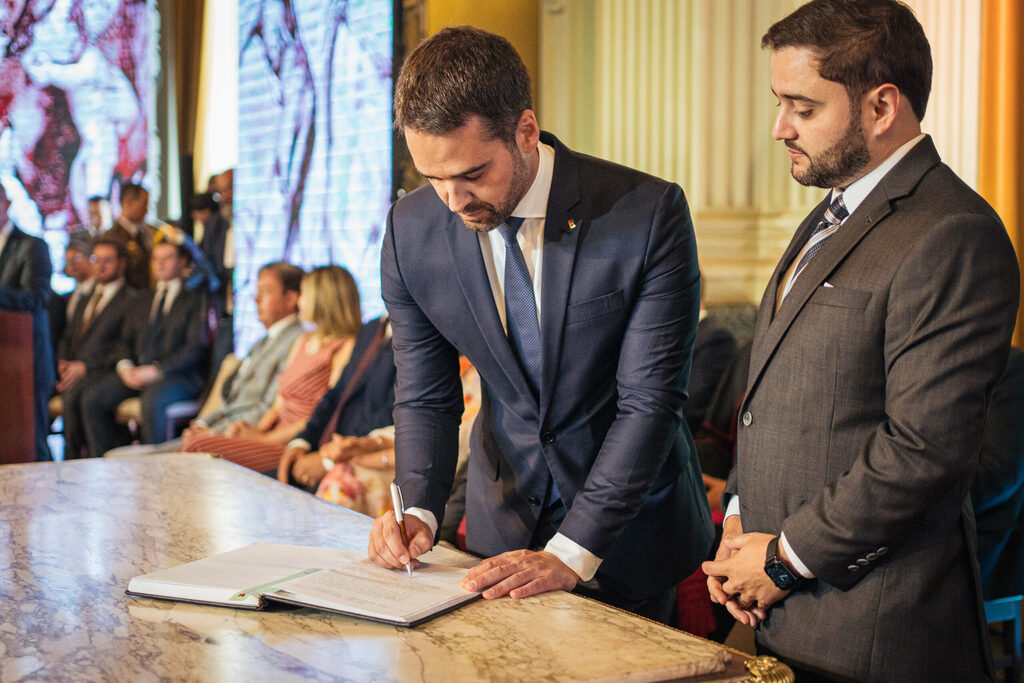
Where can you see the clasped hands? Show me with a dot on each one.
(736, 577)
(517, 573)
(139, 376)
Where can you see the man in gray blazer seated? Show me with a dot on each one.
(251, 389)
(848, 537)
(574, 292)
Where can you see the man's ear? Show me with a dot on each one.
(882, 105)
(527, 132)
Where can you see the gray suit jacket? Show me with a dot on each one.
(862, 424)
(252, 389)
(618, 317)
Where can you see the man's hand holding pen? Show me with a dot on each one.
(386, 547)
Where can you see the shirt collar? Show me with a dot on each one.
(172, 287)
(279, 326)
(132, 228)
(534, 203)
(858, 190)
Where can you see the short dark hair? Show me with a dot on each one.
(203, 201)
(289, 275)
(459, 72)
(122, 251)
(131, 191)
(861, 44)
(183, 252)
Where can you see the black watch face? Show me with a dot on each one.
(780, 575)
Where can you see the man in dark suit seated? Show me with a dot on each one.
(25, 271)
(78, 267)
(88, 349)
(163, 355)
(998, 490)
(368, 387)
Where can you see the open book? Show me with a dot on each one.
(341, 581)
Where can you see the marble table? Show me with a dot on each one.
(72, 535)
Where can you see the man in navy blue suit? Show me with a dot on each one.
(25, 271)
(575, 294)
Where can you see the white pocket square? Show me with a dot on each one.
(828, 285)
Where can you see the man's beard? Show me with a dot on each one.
(839, 163)
(496, 215)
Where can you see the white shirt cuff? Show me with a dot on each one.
(298, 442)
(799, 566)
(425, 516)
(574, 556)
(733, 508)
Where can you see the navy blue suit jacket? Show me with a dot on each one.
(620, 299)
(25, 271)
(369, 405)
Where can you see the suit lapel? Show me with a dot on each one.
(468, 264)
(896, 184)
(766, 311)
(561, 240)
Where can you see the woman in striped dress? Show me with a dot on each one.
(330, 300)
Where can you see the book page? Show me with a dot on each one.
(362, 588)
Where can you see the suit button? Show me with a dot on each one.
(547, 437)
(853, 568)
(872, 557)
(747, 419)
(533, 501)
(862, 562)
(883, 551)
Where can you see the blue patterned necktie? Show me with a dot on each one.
(835, 214)
(521, 306)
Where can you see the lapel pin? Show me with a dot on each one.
(572, 224)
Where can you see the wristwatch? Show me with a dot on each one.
(778, 571)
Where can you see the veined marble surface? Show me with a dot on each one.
(73, 534)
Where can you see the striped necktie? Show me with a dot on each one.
(835, 214)
(521, 306)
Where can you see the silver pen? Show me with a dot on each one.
(399, 505)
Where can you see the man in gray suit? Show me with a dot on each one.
(848, 538)
(251, 389)
(572, 286)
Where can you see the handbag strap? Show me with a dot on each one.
(353, 381)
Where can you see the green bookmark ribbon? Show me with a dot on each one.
(265, 588)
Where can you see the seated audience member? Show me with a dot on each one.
(134, 234)
(77, 267)
(362, 400)
(163, 357)
(25, 270)
(89, 348)
(713, 348)
(359, 469)
(251, 389)
(330, 300)
(998, 490)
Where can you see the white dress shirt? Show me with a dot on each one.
(853, 196)
(82, 289)
(172, 287)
